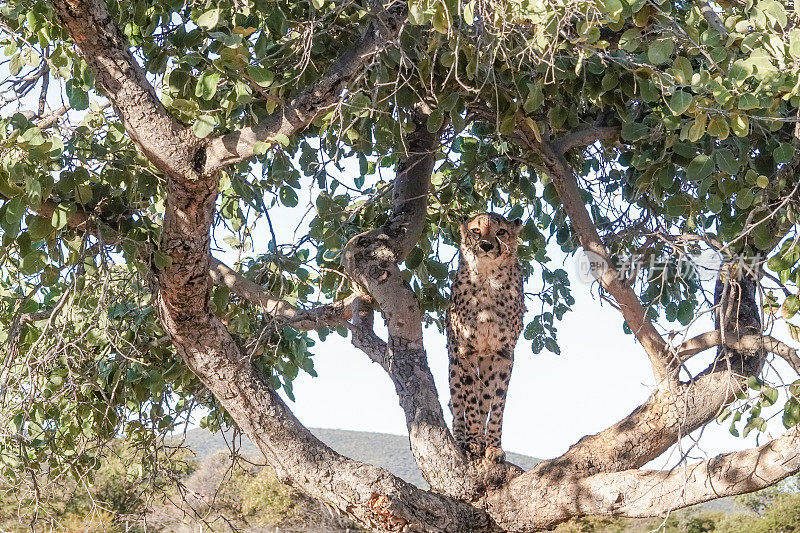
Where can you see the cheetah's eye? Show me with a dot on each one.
(501, 232)
(476, 231)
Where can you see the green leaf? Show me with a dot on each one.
(660, 51)
(718, 127)
(763, 237)
(435, 121)
(260, 148)
(552, 346)
(744, 198)
(794, 43)
(634, 131)
(441, 20)
(161, 260)
(685, 312)
(414, 258)
(203, 125)
(261, 75)
(784, 153)
(769, 395)
(281, 139)
(468, 13)
(714, 203)
(206, 86)
(209, 19)
(726, 161)
(700, 168)
(748, 101)
(15, 65)
(791, 413)
(15, 209)
(740, 125)
(288, 196)
(33, 262)
(680, 102)
(60, 216)
(612, 8)
(682, 69)
(78, 98)
(39, 227)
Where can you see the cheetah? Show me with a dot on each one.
(484, 321)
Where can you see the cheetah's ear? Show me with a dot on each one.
(462, 228)
(516, 225)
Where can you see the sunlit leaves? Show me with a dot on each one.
(208, 19)
(203, 126)
(680, 102)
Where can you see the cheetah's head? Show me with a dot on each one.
(490, 236)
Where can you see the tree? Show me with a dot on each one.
(643, 129)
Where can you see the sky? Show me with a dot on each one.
(601, 375)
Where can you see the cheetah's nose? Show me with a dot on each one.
(486, 246)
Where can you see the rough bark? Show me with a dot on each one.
(647, 493)
(552, 157)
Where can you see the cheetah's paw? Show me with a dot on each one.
(495, 454)
(475, 448)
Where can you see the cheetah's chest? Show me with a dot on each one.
(483, 316)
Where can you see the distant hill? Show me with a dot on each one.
(391, 452)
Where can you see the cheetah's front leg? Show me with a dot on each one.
(498, 389)
(457, 400)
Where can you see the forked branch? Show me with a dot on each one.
(556, 166)
(165, 142)
(301, 110)
(646, 493)
(372, 259)
(333, 314)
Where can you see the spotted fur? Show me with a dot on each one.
(484, 321)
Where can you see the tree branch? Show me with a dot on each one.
(301, 110)
(642, 493)
(370, 494)
(372, 259)
(584, 137)
(746, 343)
(712, 18)
(556, 166)
(333, 314)
(646, 493)
(164, 141)
(672, 411)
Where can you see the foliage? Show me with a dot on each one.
(115, 499)
(215, 492)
